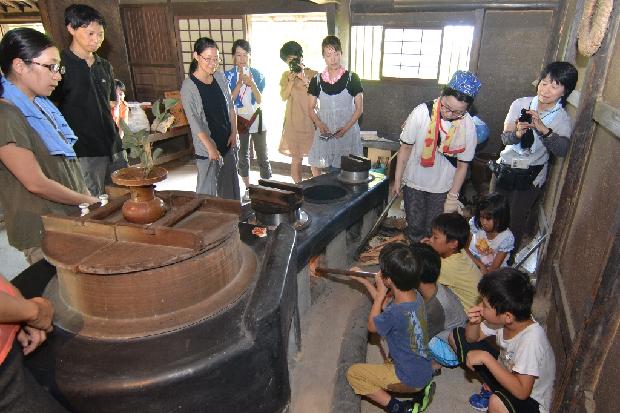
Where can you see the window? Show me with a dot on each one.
(413, 53)
(366, 51)
(223, 30)
(455, 52)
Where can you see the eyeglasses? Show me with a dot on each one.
(210, 61)
(54, 68)
(457, 113)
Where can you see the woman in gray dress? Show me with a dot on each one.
(340, 97)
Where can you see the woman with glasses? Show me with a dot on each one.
(534, 127)
(246, 87)
(438, 142)
(212, 119)
(39, 171)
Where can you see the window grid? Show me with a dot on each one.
(366, 51)
(456, 51)
(224, 31)
(411, 53)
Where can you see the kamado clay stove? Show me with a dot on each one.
(276, 202)
(192, 313)
(179, 315)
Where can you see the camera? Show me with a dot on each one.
(525, 117)
(295, 65)
(527, 140)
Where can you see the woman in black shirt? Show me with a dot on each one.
(341, 104)
(212, 119)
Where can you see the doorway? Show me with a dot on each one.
(267, 33)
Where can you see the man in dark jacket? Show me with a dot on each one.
(84, 96)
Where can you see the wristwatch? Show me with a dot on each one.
(546, 135)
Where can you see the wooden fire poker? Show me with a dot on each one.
(322, 271)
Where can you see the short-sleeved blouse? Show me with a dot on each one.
(354, 87)
(23, 209)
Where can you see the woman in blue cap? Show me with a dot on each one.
(437, 144)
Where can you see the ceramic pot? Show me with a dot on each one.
(143, 207)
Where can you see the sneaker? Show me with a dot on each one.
(422, 400)
(480, 401)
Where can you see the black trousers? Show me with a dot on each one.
(522, 211)
(20, 391)
(513, 404)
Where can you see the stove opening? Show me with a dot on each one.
(322, 194)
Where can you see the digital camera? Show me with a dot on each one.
(295, 65)
(525, 117)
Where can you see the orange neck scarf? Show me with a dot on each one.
(453, 143)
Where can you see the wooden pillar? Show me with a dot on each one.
(584, 368)
(114, 46)
(588, 350)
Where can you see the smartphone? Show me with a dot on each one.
(246, 70)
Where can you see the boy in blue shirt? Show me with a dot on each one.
(403, 324)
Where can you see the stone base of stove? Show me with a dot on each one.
(310, 288)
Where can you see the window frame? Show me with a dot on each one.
(180, 51)
(417, 27)
(422, 20)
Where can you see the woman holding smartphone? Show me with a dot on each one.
(246, 87)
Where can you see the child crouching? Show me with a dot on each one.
(521, 376)
(403, 324)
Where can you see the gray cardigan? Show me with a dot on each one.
(192, 104)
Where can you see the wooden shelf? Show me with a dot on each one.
(158, 139)
(172, 133)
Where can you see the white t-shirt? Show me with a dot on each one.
(486, 249)
(561, 124)
(439, 177)
(530, 353)
(248, 109)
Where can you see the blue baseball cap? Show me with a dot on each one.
(465, 82)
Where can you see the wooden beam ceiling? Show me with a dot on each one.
(19, 6)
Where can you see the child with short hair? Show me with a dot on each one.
(491, 240)
(520, 376)
(444, 311)
(119, 107)
(459, 273)
(403, 324)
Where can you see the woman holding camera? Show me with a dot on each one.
(298, 129)
(534, 127)
(341, 104)
(246, 87)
